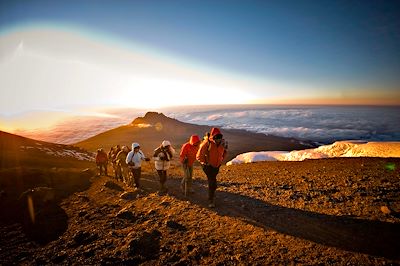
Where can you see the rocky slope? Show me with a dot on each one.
(342, 211)
(20, 151)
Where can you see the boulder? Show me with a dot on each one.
(83, 238)
(129, 195)
(146, 244)
(113, 186)
(125, 214)
(176, 226)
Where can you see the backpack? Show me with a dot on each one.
(224, 144)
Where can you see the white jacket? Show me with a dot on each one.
(162, 160)
(135, 157)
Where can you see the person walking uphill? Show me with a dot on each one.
(211, 153)
(122, 167)
(162, 160)
(134, 161)
(101, 161)
(187, 158)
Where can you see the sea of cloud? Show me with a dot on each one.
(320, 124)
(80, 127)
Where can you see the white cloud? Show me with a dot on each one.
(324, 124)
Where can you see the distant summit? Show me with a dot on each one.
(154, 127)
(153, 118)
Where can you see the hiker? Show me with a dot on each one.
(122, 167)
(162, 157)
(110, 152)
(101, 161)
(134, 162)
(211, 153)
(187, 158)
(113, 158)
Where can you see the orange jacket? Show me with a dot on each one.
(189, 150)
(211, 153)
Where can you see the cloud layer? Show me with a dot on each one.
(323, 125)
(319, 124)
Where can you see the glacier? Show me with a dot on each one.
(347, 148)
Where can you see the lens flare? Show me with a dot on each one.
(31, 209)
(390, 166)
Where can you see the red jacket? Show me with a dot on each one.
(189, 150)
(101, 157)
(211, 153)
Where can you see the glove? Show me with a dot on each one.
(225, 144)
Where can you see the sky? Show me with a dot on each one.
(76, 56)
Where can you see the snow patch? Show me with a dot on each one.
(63, 153)
(26, 147)
(350, 148)
(251, 157)
(143, 125)
(72, 154)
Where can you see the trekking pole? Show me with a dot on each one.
(153, 169)
(187, 173)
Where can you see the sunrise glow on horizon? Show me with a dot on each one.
(67, 57)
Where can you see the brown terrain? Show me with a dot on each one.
(342, 211)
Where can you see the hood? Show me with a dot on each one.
(194, 139)
(135, 145)
(166, 143)
(215, 131)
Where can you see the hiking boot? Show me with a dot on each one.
(211, 204)
(163, 189)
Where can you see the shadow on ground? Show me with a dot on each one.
(32, 198)
(50, 222)
(351, 234)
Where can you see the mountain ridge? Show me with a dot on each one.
(151, 129)
(21, 151)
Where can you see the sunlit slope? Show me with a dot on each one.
(17, 151)
(153, 128)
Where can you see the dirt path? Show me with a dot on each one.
(347, 233)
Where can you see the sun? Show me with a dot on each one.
(156, 93)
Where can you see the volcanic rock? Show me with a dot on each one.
(114, 186)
